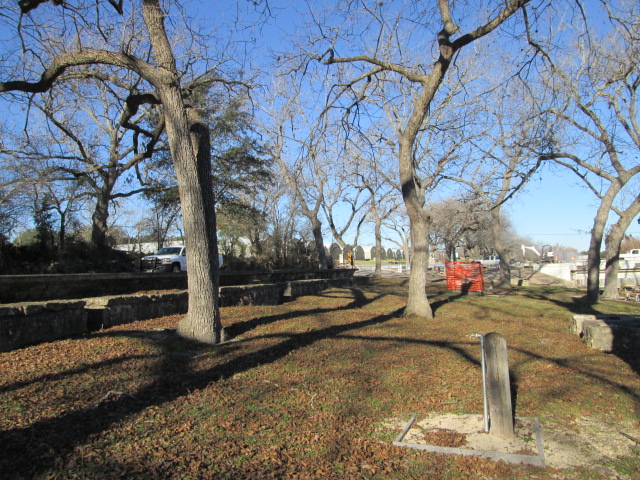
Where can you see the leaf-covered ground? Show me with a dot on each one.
(303, 390)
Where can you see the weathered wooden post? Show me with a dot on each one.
(500, 408)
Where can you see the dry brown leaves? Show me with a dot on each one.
(300, 392)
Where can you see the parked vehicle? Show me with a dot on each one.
(490, 261)
(168, 259)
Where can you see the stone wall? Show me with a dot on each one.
(33, 288)
(29, 323)
(22, 325)
(105, 312)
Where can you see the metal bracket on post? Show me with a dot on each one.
(484, 382)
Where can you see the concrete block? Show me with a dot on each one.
(612, 338)
(577, 322)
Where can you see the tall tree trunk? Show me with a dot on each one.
(503, 279)
(190, 151)
(417, 301)
(450, 249)
(99, 220)
(407, 250)
(316, 227)
(378, 235)
(595, 243)
(613, 243)
(62, 231)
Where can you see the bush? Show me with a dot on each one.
(76, 257)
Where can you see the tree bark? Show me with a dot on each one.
(503, 279)
(100, 219)
(613, 242)
(595, 243)
(62, 231)
(190, 151)
(378, 235)
(316, 227)
(417, 301)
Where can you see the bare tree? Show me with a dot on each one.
(452, 219)
(343, 192)
(371, 162)
(613, 243)
(398, 223)
(500, 163)
(187, 132)
(411, 79)
(596, 85)
(90, 137)
(297, 144)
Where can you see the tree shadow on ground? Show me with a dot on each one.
(576, 305)
(240, 328)
(623, 345)
(32, 450)
(448, 298)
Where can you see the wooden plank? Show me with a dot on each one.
(499, 389)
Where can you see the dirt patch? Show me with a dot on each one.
(588, 441)
(580, 443)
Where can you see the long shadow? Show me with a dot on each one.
(447, 299)
(30, 451)
(457, 347)
(577, 305)
(624, 339)
(240, 328)
(75, 371)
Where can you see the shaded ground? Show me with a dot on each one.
(305, 391)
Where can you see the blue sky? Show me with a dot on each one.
(554, 209)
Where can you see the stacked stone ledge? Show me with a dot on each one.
(24, 324)
(608, 333)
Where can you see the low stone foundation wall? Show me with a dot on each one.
(33, 288)
(608, 333)
(105, 312)
(30, 323)
(22, 325)
(261, 294)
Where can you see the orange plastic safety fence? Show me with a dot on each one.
(465, 277)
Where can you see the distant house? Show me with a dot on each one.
(369, 252)
(358, 253)
(335, 251)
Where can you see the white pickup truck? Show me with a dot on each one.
(168, 259)
(490, 261)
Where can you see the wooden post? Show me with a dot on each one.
(500, 408)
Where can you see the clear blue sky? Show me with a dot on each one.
(557, 210)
